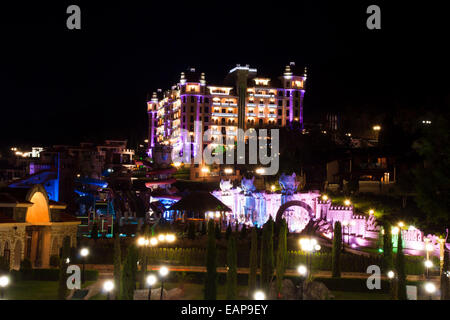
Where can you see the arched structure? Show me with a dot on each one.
(39, 213)
(293, 203)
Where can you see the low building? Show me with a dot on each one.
(32, 226)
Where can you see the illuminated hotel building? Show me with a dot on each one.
(245, 100)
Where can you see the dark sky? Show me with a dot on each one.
(65, 86)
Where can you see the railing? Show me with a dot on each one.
(218, 114)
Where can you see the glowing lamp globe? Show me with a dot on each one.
(259, 295)
(428, 264)
(151, 279)
(108, 286)
(153, 241)
(84, 252)
(161, 237)
(164, 271)
(391, 274)
(430, 287)
(170, 237)
(302, 270)
(4, 281)
(141, 241)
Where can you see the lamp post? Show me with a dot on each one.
(163, 272)
(108, 286)
(302, 271)
(151, 280)
(309, 245)
(392, 278)
(84, 253)
(4, 282)
(430, 288)
(428, 265)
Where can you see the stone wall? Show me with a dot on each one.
(14, 238)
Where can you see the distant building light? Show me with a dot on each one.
(376, 128)
(260, 170)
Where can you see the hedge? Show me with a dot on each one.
(352, 284)
(351, 262)
(47, 275)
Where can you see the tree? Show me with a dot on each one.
(211, 264)
(400, 266)
(388, 259)
(243, 234)
(281, 255)
(267, 258)
(253, 261)
(62, 282)
(203, 231)
(94, 231)
(445, 283)
(232, 269)
(218, 232)
(117, 262)
(128, 278)
(228, 232)
(336, 251)
(432, 179)
(191, 231)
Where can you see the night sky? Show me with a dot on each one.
(66, 86)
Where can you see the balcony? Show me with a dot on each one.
(251, 114)
(272, 105)
(251, 104)
(219, 114)
(264, 95)
(272, 115)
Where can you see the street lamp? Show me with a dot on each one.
(302, 271)
(151, 280)
(4, 282)
(163, 272)
(324, 197)
(347, 202)
(371, 211)
(108, 286)
(84, 253)
(309, 245)
(430, 288)
(259, 295)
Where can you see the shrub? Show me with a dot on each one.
(48, 275)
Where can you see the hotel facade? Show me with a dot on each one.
(245, 100)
